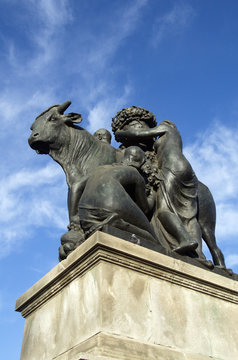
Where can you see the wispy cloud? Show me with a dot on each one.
(232, 260)
(53, 16)
(30, 199)
(101, 114)
(173, 22)
(214, 157)
(96, 66)
(48, 19)
(38, 63)
(108, 43)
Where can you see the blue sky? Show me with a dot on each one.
(176, 58)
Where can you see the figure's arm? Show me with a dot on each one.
(151, 199)
(74, 194)
(131, 133)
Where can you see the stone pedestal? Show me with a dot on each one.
(111, 299)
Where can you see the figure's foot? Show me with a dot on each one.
(185, 247)
(99, 226)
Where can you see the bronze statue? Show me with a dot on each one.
(103, 135)
(146, 188)
(138, 125)
(115, 194)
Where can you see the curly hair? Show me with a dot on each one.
(125, 116)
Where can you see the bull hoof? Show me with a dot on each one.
(205, 262)
(229, 271)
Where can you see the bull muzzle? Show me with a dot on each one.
(38, 145)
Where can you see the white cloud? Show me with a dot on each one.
(96, 69)
(101, 114)
(33, 193)
(95, 64)
(123, 24)
(173, 22)
(232, 260)
(53, 15)
(227, 217)
(47, 19)
(214, 157)
(30, 199)
(15, 105)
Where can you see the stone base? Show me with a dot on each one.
(111, 299)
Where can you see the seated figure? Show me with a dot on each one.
(115, 195)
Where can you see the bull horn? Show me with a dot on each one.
(61, 108)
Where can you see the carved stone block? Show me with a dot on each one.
(111, 299)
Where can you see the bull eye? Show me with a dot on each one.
(52, 118)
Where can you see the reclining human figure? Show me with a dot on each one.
(115, 194)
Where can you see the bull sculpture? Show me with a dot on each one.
(79, 153)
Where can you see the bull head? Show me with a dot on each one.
(49, 126)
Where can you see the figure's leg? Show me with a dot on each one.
(135, 221)
(134, 230)
(109, 220)
(173, 225)
(194, 230)
(114, 220)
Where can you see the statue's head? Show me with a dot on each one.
(167, 128)
(48, 129)
(133, 116)
(168, 123)
(103, 135)
(133, 156)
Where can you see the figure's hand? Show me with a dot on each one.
(74, 227)
(74, 224)
(119, 136)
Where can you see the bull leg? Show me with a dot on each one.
(75, 191)
(209, 238)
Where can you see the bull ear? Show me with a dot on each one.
(72, 118)
(61, 108)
